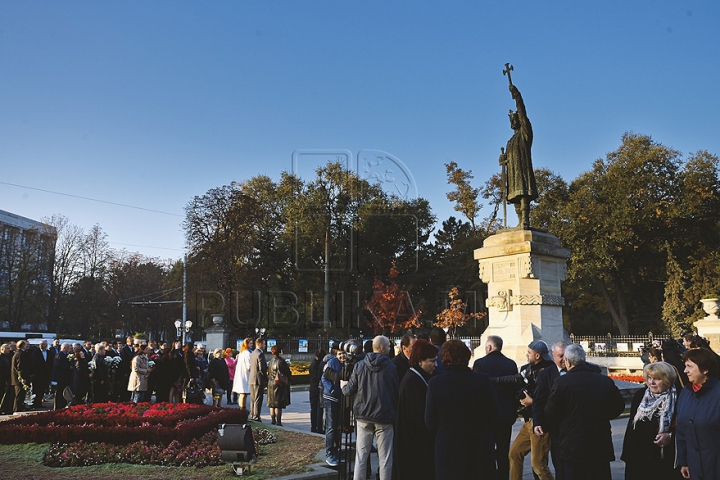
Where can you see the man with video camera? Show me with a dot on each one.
(331, 400)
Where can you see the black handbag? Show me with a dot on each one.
(193, 393)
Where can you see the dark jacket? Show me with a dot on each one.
(644, 459)
(20, 369)
(579, 408)
(698, 430)
(101, 369)
(5, 367)
(315, 374)
(401, 364)
(126, 353)
(218, 370)
(526, 380)
(330, 382)
(278, 395)
(414, 442)
(495, 364)
(258, 368)
(543, 385)
(42, 367)
(374, 382)
(62, 372)
(461, 409)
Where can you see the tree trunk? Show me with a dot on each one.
(619, 315)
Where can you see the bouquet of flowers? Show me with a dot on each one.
(151, 364)
(113, 362)
(91, 365)
(71, 357)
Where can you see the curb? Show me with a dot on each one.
(320, 472)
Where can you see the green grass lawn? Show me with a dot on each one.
(291, 454)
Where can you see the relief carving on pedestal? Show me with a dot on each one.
(553, 300)
(504, 300)
(529, 267)
(485, 272)
(499, 301)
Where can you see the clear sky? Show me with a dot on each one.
(150, 103)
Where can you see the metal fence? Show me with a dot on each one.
(615, 346)
(594, 345)
(292, 345)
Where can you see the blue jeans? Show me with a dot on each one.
(138, 397)
(332, 428)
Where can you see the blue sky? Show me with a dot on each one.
(151, 103)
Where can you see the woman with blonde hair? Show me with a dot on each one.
(241, 383)
(648, 446)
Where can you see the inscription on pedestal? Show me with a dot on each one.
(504, 271)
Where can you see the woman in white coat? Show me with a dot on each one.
(241, 382)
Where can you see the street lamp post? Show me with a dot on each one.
(178, 328)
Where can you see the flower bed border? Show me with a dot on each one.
(51, 427)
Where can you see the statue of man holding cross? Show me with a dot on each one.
(516, 160)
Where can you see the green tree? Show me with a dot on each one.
(464, 195)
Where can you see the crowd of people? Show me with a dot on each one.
(424, 411)
(456, 422)
(137, 371)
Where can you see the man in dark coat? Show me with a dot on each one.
(545, 381)
(7, 390)
(495, 364)
(122, 376)
(43, 360)
(401, 359)
(62, 375)
(579, 408)
(21, 374)
(258, 379)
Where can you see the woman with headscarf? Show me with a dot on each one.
(698, 417)
(461, 408)
(648, 446)
(414, 443)
(241, 383)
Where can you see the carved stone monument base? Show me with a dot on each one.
(523, 269)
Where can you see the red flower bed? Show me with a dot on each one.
(200, 452)
(120, 423)
(627, 377)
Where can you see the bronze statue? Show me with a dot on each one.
(516, 160)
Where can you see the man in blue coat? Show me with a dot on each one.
(495, 364)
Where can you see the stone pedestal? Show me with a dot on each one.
(217, 336)
(523, 270)
(709, 327)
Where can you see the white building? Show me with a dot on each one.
(26, 255)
